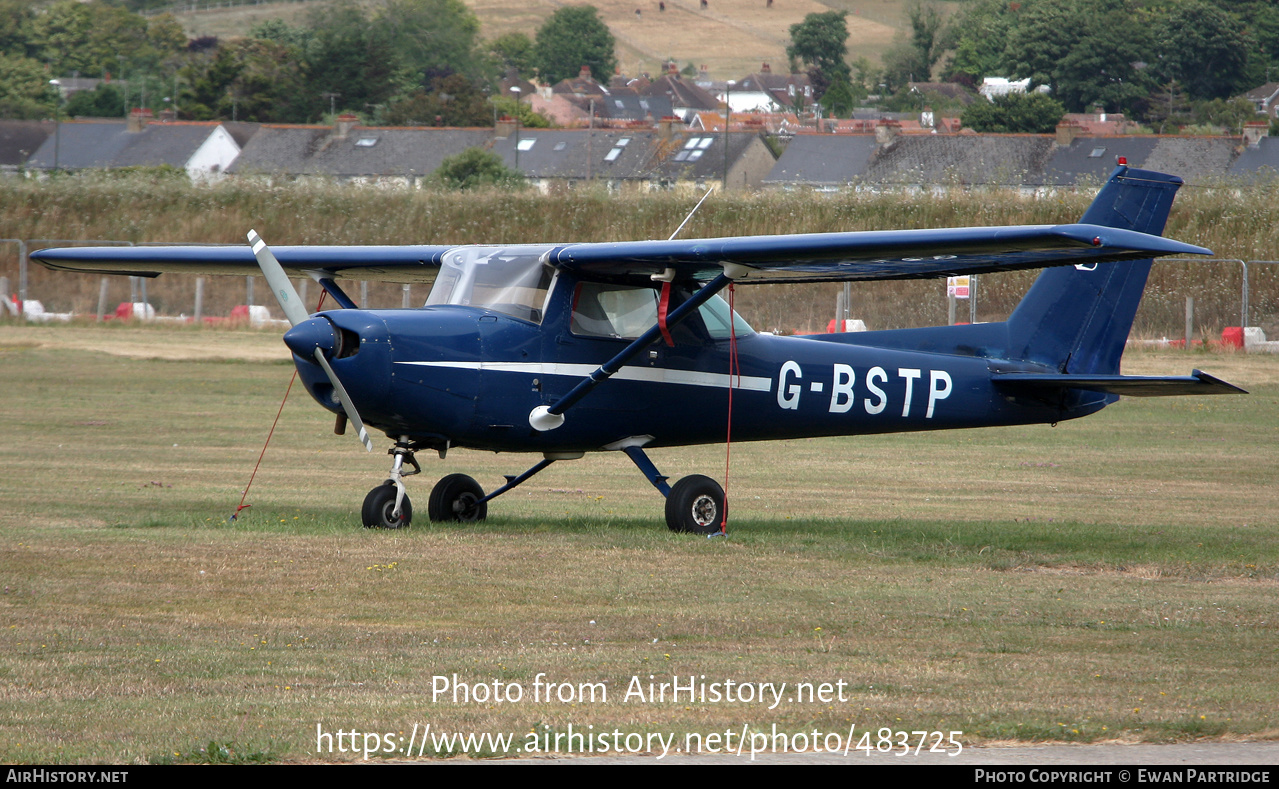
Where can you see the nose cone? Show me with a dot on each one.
(310, 334)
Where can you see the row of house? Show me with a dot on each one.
(662, 156)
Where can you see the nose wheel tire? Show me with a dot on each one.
(695, 505)
(453, 499)
(379, 506)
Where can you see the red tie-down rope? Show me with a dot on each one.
(734, 368)
(244, 506)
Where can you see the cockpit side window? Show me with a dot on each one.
(616, 311)
(626, 312)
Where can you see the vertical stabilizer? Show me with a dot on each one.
(1077, 318)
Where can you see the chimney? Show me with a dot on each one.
(672, 68)
(585, 73)
(1067, 131)
(886, 132)
(345, 123)
(505, 127)
(1254, 131)
(168, 116)
(765, 69)
(666, 127)
(138, 118)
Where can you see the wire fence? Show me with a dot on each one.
(1226, 292)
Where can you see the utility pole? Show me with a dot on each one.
(728, 114)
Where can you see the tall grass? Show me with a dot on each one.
(1235, 221)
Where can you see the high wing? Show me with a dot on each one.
(813, 257)
(871, 255)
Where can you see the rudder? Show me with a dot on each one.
(1077, 319)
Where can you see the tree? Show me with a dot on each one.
(104, 101)
(452, 101)
(250, 79)
(282, 32)
(840, 99)
(1167, 109)
(514, 51)
(1229, 114)
(351, 64)
(978, 34)
(1205, 49)
(925, 39)
(1088, 51)
(475, 168)
(574, 36)
(93, 38)
(529, 117)
(431, 38)
(24, 89)
(1033, 113)
(821, 42)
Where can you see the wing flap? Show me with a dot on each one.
(1197, 383)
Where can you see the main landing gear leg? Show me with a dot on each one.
(457, 497)
(695, 504)
(387, 506)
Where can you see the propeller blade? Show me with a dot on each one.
(345, 399)
(279, 282)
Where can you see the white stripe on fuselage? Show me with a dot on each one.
(659, 375)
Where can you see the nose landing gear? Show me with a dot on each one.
(387, 506)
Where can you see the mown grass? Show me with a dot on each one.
(1112, 578)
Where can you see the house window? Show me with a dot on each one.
(681, 156)
(1097, 153)
(366, 142)
(706, 143)
(561, 145)
(625, 141)
(526, 144)
(695, 155)
(612, 155)
(692, 143)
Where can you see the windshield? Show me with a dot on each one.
(509, 280)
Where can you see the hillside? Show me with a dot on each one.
(731, 37)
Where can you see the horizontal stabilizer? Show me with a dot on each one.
(1197, 383)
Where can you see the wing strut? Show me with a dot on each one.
(545, 418)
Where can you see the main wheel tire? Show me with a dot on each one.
(453, 499)
(378, 506)
(695, 505)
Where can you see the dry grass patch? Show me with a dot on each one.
(1109, 578)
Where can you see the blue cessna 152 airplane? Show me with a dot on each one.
(563, 349)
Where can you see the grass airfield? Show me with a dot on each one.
(1110, 579)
